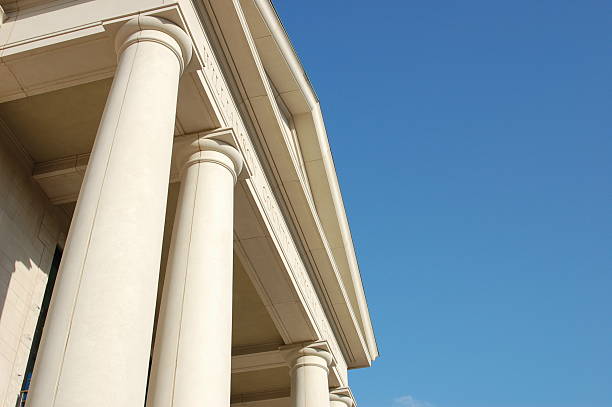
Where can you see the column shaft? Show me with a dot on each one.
(192, 355)
(96, 341)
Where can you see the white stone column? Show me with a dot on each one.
(192, 353)
(341, 398)
(96, 341)
(309, 366)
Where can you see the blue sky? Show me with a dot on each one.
(473, 144)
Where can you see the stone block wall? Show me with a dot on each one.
(30, 230)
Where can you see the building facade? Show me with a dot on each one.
(172, 232)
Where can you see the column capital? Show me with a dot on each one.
(308, 354)
(215, 147)
(342, 395)
(158, 30)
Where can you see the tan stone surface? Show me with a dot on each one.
(30, 229)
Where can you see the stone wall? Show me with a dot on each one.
(30, 230)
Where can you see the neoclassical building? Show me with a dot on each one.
(172, 231)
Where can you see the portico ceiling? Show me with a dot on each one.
(57, 124)
(64, 122)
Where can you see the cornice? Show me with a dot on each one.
(290, 58)
(316, 252)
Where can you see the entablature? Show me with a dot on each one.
(316, 210)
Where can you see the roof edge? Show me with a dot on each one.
(281, 38)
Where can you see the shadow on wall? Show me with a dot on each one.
(26, 285)
(19, 310)
(35, 338)
(30, 230)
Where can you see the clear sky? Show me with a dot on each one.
(473, 145)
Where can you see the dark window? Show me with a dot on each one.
(44, 308)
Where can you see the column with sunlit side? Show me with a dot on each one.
(193, 343)
(309, 364)
(96, 342)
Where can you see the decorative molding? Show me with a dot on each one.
(294, 355)
(185, 145)
(260, 348)
(20, 150)
(67, 172)
(257, 361)
(143, 28)
(67, 165)
(268, 395)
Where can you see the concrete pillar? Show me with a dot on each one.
(192, 353)
(96, 341)
(309, 375)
